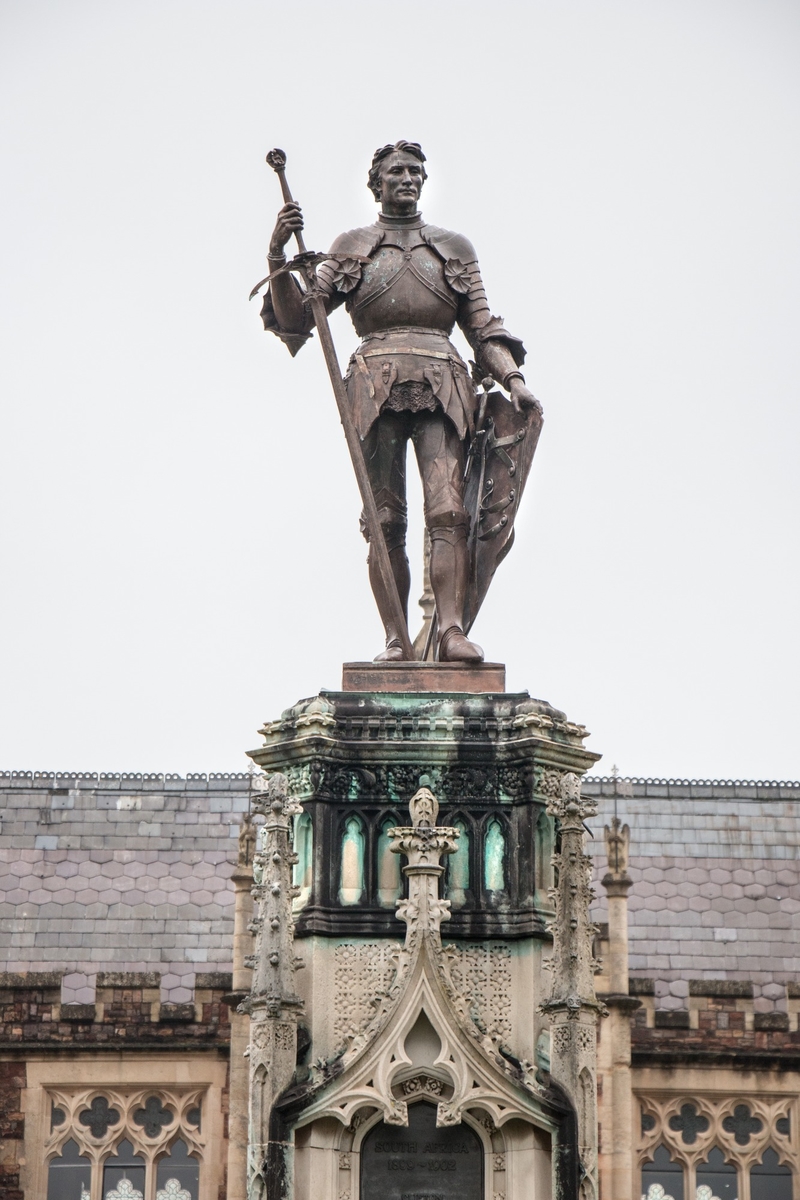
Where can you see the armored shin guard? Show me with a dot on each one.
(449, 573)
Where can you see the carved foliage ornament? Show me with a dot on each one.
(394, 784)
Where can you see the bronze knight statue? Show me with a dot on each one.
(405, 285)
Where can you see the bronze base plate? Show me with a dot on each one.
(470, 678)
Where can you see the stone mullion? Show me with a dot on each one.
(96, 1188)
(743, 1175)
(150, 1175)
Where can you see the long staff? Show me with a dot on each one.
(377, 542)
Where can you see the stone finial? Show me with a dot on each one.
(423, 807)
(423, 843)
(247, 841)
(618, 840)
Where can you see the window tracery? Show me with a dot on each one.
(717, 1147)
(119, 1144)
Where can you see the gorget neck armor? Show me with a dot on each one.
(389, 221)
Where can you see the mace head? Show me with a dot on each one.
(277, 159)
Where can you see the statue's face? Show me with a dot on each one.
(401, 180)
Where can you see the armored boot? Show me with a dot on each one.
(449, 573)
(402, 577)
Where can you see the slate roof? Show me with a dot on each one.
(716, 882)
(132, 873)
(119, 872)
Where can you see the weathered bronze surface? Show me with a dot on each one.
(421, 1162)
(406, 284)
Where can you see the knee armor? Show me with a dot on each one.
(451, 526)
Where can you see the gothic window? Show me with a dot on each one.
(177, 1175)
(389, 879)
(351, 888)
(494, 854)
(769, 1179)
(302, 872)
(458, 868)
(662, 1179)
(123, 1174)
(124, 1145)
(70, 1175)
(717, 1176)
(709, 1147)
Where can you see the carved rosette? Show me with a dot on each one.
(272, 1004)
(573, 1007)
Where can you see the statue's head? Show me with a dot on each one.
(388, 162)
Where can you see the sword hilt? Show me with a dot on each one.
(277, 160)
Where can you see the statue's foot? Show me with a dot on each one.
(455, 646)
(392, 653)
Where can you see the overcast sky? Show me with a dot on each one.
(179, 545)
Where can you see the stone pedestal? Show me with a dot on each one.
(391, 1015)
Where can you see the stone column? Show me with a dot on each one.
(273, 1004)
(617, 1109)
(240, 1021)
(573, 1006)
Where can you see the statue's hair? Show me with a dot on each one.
(374, 179)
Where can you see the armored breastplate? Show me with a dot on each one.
(403, 284)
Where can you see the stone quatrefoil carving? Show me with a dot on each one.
(153, 1117)
(150, 1118)
(98, 1117)
(742, 1124)
(688, 1123)
(689, 1127)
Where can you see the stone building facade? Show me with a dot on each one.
(698, 908)
(124, 909)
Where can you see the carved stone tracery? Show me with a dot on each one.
(96, 1138)
(742, 1127)
(362, 973)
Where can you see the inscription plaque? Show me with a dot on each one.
(421, 1162)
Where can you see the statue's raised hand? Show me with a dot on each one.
(289, 222)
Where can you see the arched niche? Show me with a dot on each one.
(351, 875)
(303, 870)
(494, 857)
(390, 885)
(458, 865)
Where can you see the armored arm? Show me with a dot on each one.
(497, 352)
(284, 311)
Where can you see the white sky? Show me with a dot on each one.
(179, 543)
